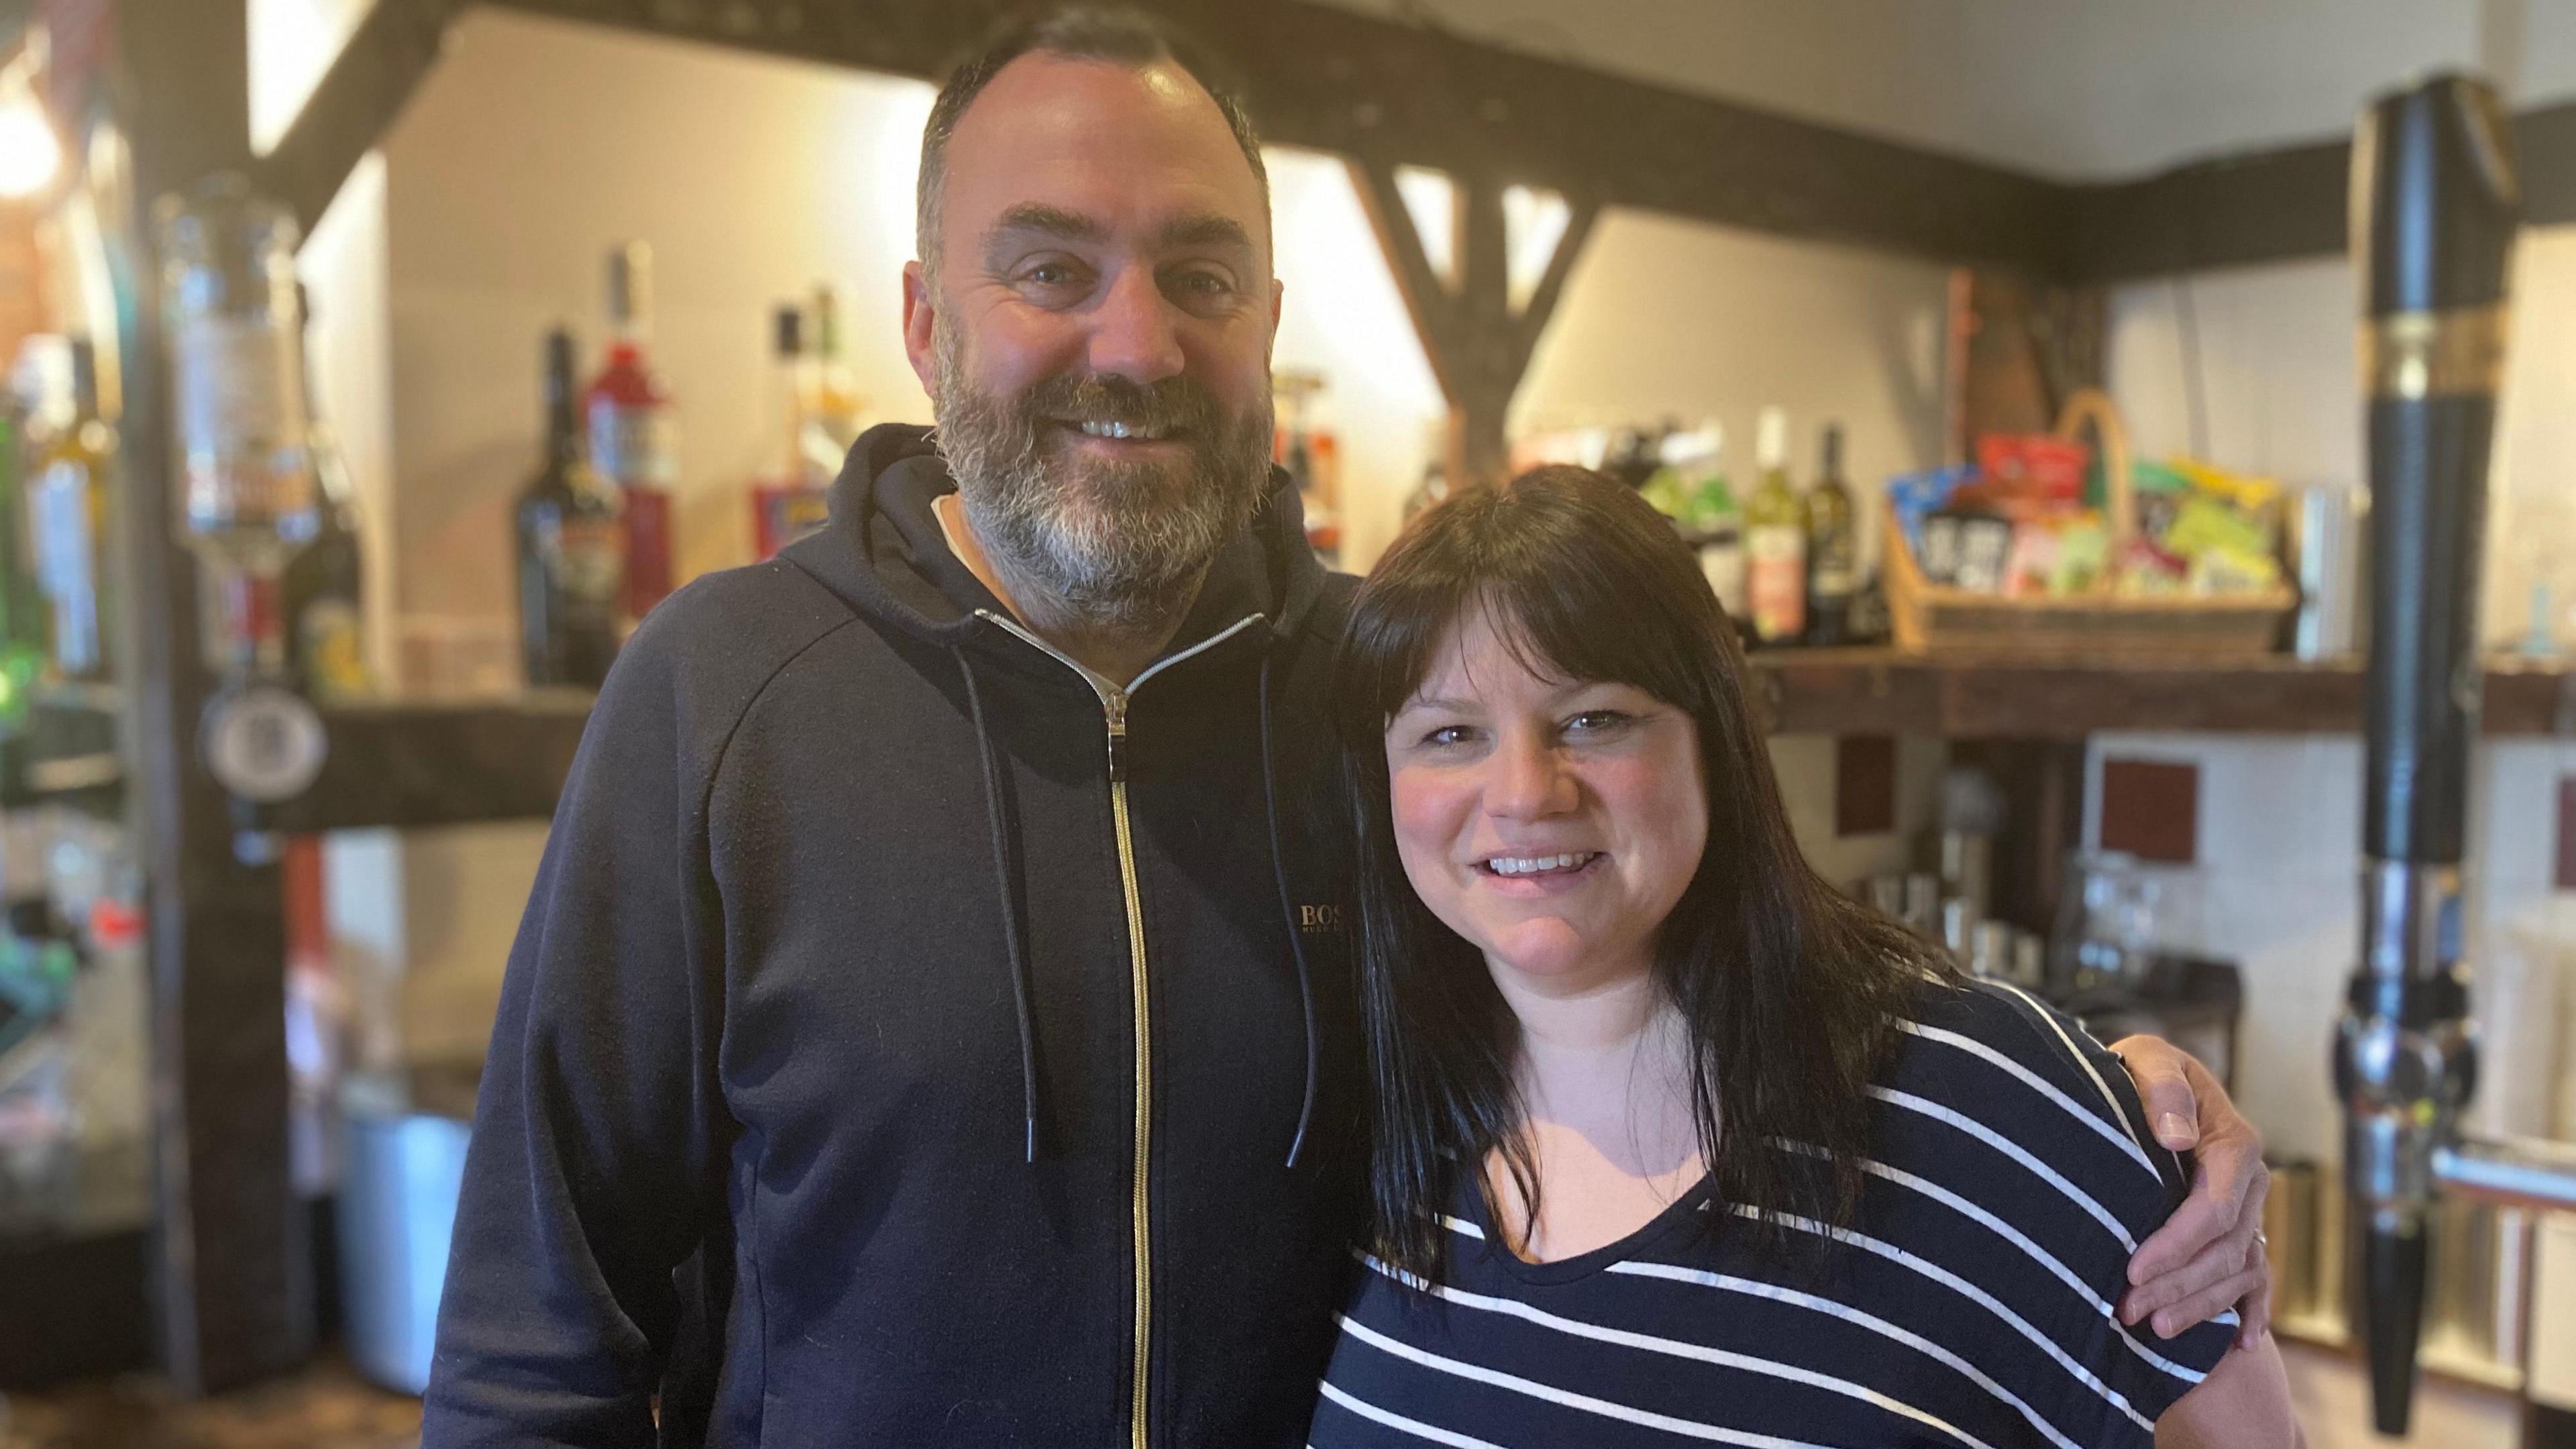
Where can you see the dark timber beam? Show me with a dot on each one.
(355, 104)
(1391, 94)
(1477, 345)
(232, 1257)
(2278, 205)
(1396, 94)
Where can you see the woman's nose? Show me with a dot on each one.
(1529, 781)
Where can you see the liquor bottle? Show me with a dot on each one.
(24, 625)
(631, 430)
(1833, 566)
(1775, 540)
(67, 516)
(320, 590)
(572, 549)
(788, 497)
(1716, 520)
(834, 409)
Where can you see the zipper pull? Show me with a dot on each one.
(1117, 738)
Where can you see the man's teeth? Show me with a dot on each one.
(1533, 864)
(1121, 430)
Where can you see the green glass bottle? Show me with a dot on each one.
(1833, 564)
(25, 622)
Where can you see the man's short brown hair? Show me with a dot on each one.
(1080, 32)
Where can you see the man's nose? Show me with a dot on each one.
(1529, 781)
(1132, 333)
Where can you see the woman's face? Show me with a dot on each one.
(1552, 823)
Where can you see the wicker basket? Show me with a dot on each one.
(1933, 616)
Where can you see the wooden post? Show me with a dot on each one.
(232, 1248)
(2018, 349)
(1479, 347)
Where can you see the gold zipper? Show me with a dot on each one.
(1139, 988)
(1113, 706)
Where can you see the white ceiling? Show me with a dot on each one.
(2090, 89)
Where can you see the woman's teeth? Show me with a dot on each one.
(1534, 864)
(1122, 430)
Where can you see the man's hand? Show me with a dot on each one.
(2206, 1257)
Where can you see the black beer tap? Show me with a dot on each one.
(2435, 204)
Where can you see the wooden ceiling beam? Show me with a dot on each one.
(1330, 79)
(355, 104)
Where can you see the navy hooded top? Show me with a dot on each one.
(911, 1041)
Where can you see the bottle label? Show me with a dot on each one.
(241, 422)
(67, 562)
(232, 380)
(586, 559)
(631, 446)
(1777, 564)
(329, 638)
(1723, 565)
(1833, 575)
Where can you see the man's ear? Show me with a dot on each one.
(920, 311)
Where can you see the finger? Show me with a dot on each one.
(2220, 1261)
(2205, 1218)
(2256, 1309)
(2164, 1089)
(2206, 1304)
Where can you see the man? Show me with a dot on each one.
(938, 941)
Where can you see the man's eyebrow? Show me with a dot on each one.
(1206, 229)
(1037, 216)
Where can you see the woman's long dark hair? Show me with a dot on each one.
(1788, 989)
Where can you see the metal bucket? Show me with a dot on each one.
(405, 1134)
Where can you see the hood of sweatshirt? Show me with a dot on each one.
(883, 553)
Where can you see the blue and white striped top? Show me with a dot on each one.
(1970, 1303)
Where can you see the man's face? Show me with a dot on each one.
(1095, 333)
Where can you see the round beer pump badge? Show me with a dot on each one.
(263, 744)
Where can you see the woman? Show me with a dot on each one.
(1673, 1141)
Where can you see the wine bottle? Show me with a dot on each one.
(631, 442)
(788, 496)
(67, 516)
(320, 589)
(1775, 540)
(1832, 549)
(24, 625)
(571, 547)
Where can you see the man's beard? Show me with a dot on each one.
(1118, 545)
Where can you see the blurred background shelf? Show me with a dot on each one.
(408, 765)
(1970, 696)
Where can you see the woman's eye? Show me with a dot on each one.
(1446, 735)
(1595, 721)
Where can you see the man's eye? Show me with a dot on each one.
(1202, 287)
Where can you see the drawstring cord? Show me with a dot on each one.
(1010, 916)
(1288, 914)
